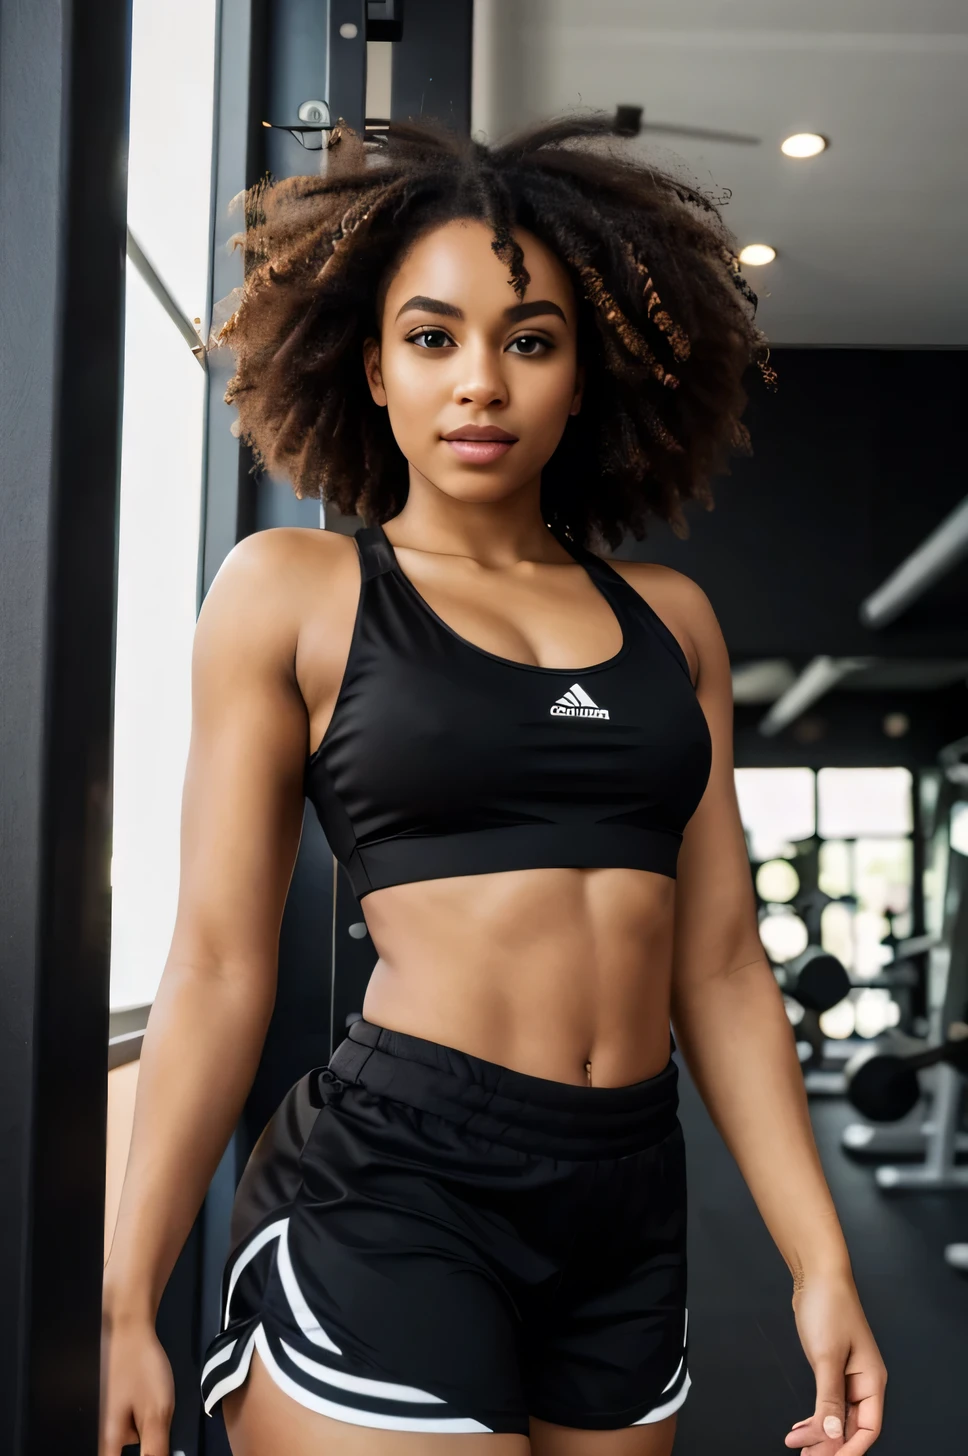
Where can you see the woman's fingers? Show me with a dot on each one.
(115, 1434)
(831, 1409)
(848, 1416)
(137, 1392)
(823, 1432)
(155, 1430)
(865, 1412)
(866, 1384)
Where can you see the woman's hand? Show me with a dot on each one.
(850, 1373)
(137, 1388)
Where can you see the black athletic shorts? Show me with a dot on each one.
(425, 1241)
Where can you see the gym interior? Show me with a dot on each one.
(835, 559)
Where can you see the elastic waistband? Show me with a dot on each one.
(495, 1102)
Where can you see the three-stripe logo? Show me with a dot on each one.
(576, 703)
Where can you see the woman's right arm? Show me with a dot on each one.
(241, 820)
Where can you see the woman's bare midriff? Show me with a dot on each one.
(559, 973)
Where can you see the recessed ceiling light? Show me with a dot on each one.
(755, 254)
(803, 144)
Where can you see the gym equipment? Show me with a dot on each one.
(884, 1086)
(893, 1140)
(938, 1137)
(957, 1256)
(939, 1171)
(816, 979)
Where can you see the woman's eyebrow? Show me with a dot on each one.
(514, 315)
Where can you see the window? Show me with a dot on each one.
(857, 849)
(871, 877)
(169, 187)
(777, 808)
(855, 801)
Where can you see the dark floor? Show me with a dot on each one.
(751, 1380)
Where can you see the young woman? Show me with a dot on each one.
(468, 1231)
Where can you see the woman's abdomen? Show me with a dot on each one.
(544, 971)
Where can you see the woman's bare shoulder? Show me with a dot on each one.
(290, 548)
(650, 577)
(281, 609)
(273, 586)
(681, 604)
(282, 563)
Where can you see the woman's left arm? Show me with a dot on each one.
(732, 1029)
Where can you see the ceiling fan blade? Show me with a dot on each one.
(701, 133)
(629, 121)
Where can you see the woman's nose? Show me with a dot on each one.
(480, 379)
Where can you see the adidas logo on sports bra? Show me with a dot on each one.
(576, 703)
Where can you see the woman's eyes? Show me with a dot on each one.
(535, 345)
(531, 345)
(438, 336)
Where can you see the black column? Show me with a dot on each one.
(63, 94)
(432, 62)
(228, 500)
(347, 61)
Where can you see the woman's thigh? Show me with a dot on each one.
(261, 1420)
(654, 1440)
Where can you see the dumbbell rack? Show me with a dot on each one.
(938, 1139)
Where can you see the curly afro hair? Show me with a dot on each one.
(666, 321)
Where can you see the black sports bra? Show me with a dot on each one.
(443, 759)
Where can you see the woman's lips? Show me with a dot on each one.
(480, 452)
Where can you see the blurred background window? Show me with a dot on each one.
(777, 808)
(858, 823)
(169, 220)
(855, 801)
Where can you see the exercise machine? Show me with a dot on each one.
(938, 1138)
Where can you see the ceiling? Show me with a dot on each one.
(763, 680)
(870, 236)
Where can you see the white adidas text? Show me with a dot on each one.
(576, 703)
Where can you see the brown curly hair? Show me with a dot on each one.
(665, 330)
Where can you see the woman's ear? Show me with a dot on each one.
(371, 367)
(579, 390)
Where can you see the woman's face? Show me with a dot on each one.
(478, 383)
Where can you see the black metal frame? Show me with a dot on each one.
(228, 493)
(432, 63)
(64, 89)
(346, 62)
